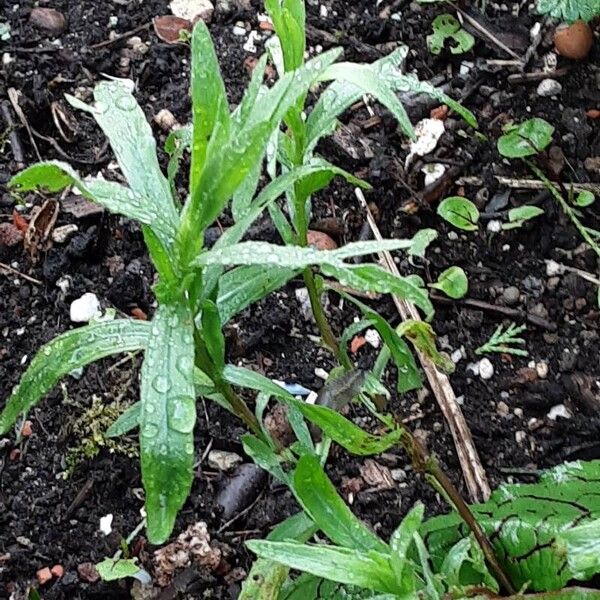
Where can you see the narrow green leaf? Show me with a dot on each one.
(373, 278)
(524, 213)
(400, 542)
(253, 93)
(453, 282)
(294, 257)
(120, 117)
(212, 334)
(242, 286)
(168, 418)
(67, 352)
(326, 508)
(265, 457)
(365, 78)
(369, 570)
(127, 420)
(209, 100)
(54, 176)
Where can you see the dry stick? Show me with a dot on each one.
(13, 96)
(528, 184)
(473, 472)
(119, 38)
(5, 267)
(488, 34)
(13, 136)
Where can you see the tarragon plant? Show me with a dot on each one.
(198, 290)
(546, 535)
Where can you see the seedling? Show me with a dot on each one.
(460, 212)
(198, 291)
(505, 342)
(453, 282)
(446, 27)
(531, 138)
(518, 216)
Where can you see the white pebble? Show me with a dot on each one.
(486, 369)
(239, 30)
(560, 410)
(321, 373)
(456, 356)
(106, 524)
(372, 338)
(494, 226)
(542, 370)
(222, 460)
(85, 309)
(548, 88)
(553, 268)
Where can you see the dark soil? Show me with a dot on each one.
(48, 520)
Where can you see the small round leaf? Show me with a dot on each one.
(453, 282)
(584, 198)
(527, 139)
(460, 212)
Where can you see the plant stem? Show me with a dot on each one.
(240, 408)
(321, 319)
(423, 461)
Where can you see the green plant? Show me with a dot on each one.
(505, 341)
(198, 290)
(446, 27)
(453, 282)
(569, 10)
(545, 536)
(296, 147)
(531, 138)
(460, 212)
(518, 216)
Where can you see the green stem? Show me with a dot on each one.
(423, 461)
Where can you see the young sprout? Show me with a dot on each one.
(505, 341)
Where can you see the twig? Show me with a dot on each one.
(13, 136)
(79, 499)
(518, 78)
(473, 472)
(486, 33)
(583, 274)
(511, 313)
(119, 38)
(13, 96)
(5, 267)
(528, 184)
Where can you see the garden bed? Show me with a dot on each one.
(48, 520)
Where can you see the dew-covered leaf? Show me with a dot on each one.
(167, 419)
(123, 121)
(68, 352)
(370, 569)
(129, 419)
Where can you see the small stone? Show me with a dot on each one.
(223, 461)
(518, 412)
(452, 236)
(372, 338)
(106, 524)
(239, 30)
(85, 308)
(58, 571)
(548, 88)
(27, 430)
(560, 410)
(61, 234)
(502, 409)
(553, 268)
(48, 19)
(193, 9)
(494, 226)
(541, 369)
(10, 235)
(520, 437)
(87, 572)
(43, 575)
(486, 369)
(456, 356)
(511, 295)
(398, 474)
(320, 241)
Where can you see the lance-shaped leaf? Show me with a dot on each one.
(369, 569)
(289, 19)
(209, 100)
(245, 285)
(167, 419)
(67, 352)
(54, 176)
(293, 257)
(229, 162)
(123, 121)
(327, 509)
(373, 278)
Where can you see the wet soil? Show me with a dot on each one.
(47, 519)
